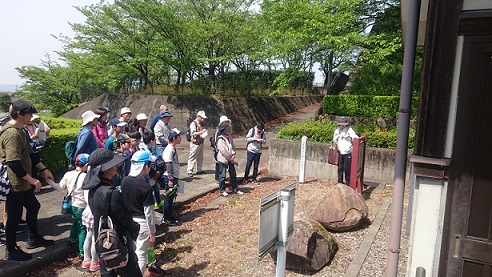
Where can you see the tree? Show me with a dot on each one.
(52, 87)
(380, 68)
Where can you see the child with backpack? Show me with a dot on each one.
(72, 181)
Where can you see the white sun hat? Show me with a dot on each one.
(88, 116)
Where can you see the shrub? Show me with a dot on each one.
(365, 106)
(320, 129)
(53, 156)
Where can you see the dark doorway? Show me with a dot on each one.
(467, 234)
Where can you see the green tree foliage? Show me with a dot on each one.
(381, 61)
(206, 46)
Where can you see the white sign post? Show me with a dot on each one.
(276, 223)
(302, 169)
(283, 232)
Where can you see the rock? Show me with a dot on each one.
(310, 247)
(341, 209)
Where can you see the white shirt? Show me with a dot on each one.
(343, 137)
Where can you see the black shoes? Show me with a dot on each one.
(39, 242)
(17, 255)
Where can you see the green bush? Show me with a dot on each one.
(365, 106)
(61, 123)
(53, 156)
(320, 129)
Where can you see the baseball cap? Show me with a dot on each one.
(175, 133)
(117, 122)
(142, 156)
(201, 114)
(124, 138)
(23, 106)
(82, 159)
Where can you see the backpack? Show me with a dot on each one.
(213, 143)
(109, 247)
(70, 149)
(188, 133)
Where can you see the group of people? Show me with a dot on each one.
(120, 158)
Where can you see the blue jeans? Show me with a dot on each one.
(167, 210)
(222, 176)
(252, 158)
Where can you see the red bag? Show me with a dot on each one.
(333, 155)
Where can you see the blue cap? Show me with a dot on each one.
(117, 122)
(164, 114)
(81, 159)
(142, 156)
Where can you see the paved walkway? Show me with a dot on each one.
(54, 225)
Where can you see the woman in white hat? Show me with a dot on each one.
(86, 141)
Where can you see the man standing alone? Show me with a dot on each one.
(15, 152)
(196, 144)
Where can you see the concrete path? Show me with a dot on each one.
(54, 225)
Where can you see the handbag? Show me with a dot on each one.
(4, 182)
(333, 155)
(67, 199)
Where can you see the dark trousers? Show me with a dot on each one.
(344, 163)
(157, 193)
(130, 270)
(222, 176)
(16, 201)
(167, 210)
(252, 158)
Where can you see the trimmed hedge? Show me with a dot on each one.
(62, 130)
(365, 106)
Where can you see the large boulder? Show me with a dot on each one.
(341, 209)
(310, 247)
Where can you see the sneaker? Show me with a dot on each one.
(39, 242)
(245, 181)
(256, 182)
(71, 242)
(155, 270)
(238, 192)
(86, 264)
(17, 255)
(170, 222)
(22, 223)
(190, 174)
(159, 205)
(94, 267)
(200, 172)
(224, 193)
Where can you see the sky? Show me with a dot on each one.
(25, 32)
(26, 27)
